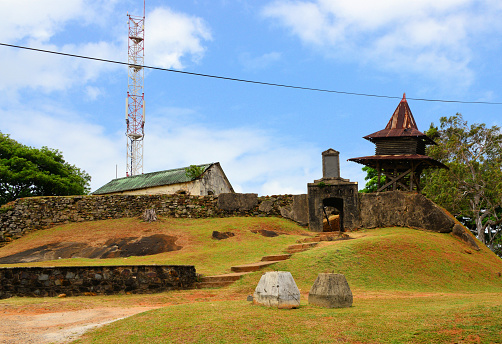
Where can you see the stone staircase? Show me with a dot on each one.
(219, 281)
(238, 271)
(301, 247)
(241, 270)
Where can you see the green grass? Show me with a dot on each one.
(400, 259)
(209, 256)
(409, 286)
(438, 318)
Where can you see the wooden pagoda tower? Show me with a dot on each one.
(400, 152)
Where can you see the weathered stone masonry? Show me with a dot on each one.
(94, 280)
(23, 215)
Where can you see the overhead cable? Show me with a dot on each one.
(248, 81)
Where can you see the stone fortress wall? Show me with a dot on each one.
(94, 280)
(387, 209)
(34, 213)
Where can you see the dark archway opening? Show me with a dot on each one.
(332, 214)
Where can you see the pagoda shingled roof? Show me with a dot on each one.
(401, 124)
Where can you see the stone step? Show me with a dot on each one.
(222, 278)
(251, 267)
(219, 281)
(301, 247)
(293, 251)
(312, 239)
(204, 285)
(276, 258)
(327, 236)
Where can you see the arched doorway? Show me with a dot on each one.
(332, 214)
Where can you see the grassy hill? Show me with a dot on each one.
(209, 256)
(409, 286)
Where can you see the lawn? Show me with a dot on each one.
(209, 256)
(409, 286)
(373, 318)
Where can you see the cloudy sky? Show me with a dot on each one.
(268, 139)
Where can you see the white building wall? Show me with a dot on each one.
(213, 181)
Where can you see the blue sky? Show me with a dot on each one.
(268, 139)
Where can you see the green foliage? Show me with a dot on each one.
(193, 171)
(472, 187)
(322, 184)
(27, 171)
(372, 180)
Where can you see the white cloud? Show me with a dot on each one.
(254, 160)
(83, 144)
(430, 38)
(35, 24)
(93, 93)
(172, 36)
(48, 72)
(259, 62)
(39, 20)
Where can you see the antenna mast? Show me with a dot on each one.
(135, 101)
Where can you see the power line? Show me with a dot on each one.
(250, 81)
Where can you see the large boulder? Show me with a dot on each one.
(277, 289)
(298, 211)
(330, 291)
(403, 209)
(237, 201)
(464, 234)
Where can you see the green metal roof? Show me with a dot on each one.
(142, 181)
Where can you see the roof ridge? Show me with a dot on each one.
(141, 181)
(170, 170)
(402, 118)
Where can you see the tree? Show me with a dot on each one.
(472, 187)
(372, 180)
(27, 171)
(193, 171)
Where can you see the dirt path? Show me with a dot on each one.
(59, 327)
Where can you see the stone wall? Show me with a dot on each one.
(27, 214)
(385, 209)
(409, 209)
(94, 280)
(338, 193)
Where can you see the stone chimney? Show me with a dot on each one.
(330, 164)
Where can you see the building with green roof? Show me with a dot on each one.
(199, 180)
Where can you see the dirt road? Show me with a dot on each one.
(59, 327)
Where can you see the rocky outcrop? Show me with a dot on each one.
(409, 209)
(112, 248)
(402, 209)
(464, 234)
(298, 211)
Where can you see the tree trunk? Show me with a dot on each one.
(149, 215)
(480, 229)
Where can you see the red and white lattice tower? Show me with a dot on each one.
(135, 102)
